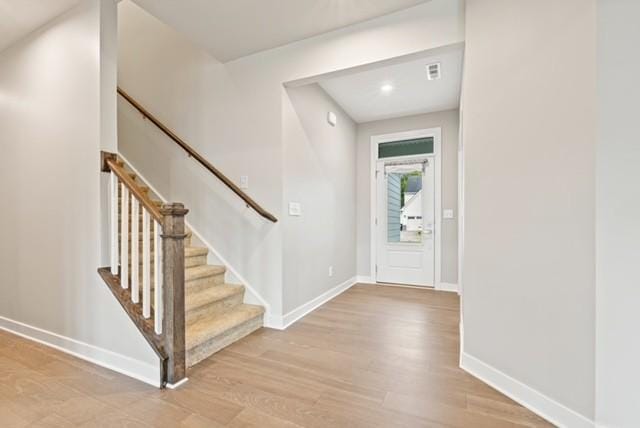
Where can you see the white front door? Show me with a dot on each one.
(405, 221)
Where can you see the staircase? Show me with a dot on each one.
(214, 310)
(182, 305)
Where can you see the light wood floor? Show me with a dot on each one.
(372, 357)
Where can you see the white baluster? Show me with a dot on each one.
(146, 266)
(114, 223)
(157, 277)
(124, 238)
(135, 250)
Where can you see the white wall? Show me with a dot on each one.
(186, 88)
(618, 215)
(50, 125)
(319, 172)
(233, 114)
(108, 109)
(529, 141)
(448, 121)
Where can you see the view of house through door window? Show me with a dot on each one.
(404, 203)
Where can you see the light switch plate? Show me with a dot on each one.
(244, 182)
(448, 214)
(295, 209)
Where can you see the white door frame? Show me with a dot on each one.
(376, 140)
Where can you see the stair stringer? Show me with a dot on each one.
(214, 257)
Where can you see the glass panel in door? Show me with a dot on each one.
(404, 203)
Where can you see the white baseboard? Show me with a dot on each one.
(136, 369)
(365, 280)
(285, 321)
(533, 400)
(447, 286)
(441, 286)
(273, 321)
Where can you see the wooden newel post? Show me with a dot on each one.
(173, 235)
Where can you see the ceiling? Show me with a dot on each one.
(230, 29)
(360, 94)
(20, 17)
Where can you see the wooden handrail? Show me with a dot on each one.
(133, 187)
(192, 153)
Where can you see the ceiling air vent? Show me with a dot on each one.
(433, 71)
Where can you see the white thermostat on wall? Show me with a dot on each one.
(332, 118)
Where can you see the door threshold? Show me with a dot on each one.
(394, 284)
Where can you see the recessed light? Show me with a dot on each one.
(386, 88)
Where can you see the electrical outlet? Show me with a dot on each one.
(244, 182)
(330, 270)
(447, 214)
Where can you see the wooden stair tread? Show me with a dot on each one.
(207, 296)
(209, 327)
